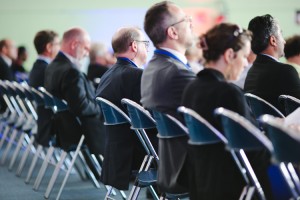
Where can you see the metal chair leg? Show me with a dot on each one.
(4, 136)
(43, 169)
(24, 157)
(16, 152)
(32, 166)
(55, 174)
(88, 170)
(9, 145)
(70, 168)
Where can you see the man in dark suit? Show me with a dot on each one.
(64, 80)
(100, 60)
(8, 53)
(46, 43)
(122, 149)
(268, 78)
(163, 82)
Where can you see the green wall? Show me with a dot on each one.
(21, 19)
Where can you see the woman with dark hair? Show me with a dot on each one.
(214, 174)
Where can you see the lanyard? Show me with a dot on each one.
(166, 53)
(128, 60)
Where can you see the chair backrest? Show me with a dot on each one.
(260, 107)
(140, 117)
(286, 141)
(241, 133)
(201, 132)
(289, 103)
(168, 126)
(37, 95)
(112, 114)
(58, 105)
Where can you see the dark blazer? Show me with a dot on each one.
(5, 74)
(5, 71)
(213, 173)
(65, 81)
(269, 79)
(162, 86)
(37, 73)
(123, 151)
(36, 79)
(95, 71)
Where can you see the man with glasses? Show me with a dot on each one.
(123, 151)
(163, 82)
(268, 78)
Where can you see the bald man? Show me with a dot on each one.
(64, 80)
(123, 152)
(8, 53)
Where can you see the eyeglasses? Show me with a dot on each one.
(146, 42)
(185, 19)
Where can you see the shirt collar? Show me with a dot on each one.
(71, 58)
(270, 57)
(44, 58)
(7, 60)
(180, 56)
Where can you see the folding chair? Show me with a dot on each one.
(243, 136)
(286, 143)
(289, 103)
(201, 132)
(141, 119)
(259, 106)
(74, 152)
(113, 116)
(172, 152)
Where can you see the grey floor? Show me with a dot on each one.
(14, 188)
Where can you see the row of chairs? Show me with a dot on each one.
(19, 127)
(239, 136)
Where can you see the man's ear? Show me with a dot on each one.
(273, 40)
(172, 32)
(229, 55)
(134, 46)
(49, 47)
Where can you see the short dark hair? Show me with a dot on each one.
(21, 50)
(42, 38)
(3, 43)
(262, 28)
(156, 22)
(221, 37)
(292, 46)
(123, 39)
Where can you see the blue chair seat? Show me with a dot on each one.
(147, 178)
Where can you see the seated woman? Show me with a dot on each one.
(215, 174)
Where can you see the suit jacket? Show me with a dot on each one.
(65, 81)
(5, 74)
(37, 73)
(5, 71)
(96, 71)
(162, 85)
(213, 173)
(36, 79)
(123, 151)
(269, 79)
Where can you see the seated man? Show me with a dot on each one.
(123, 151)
(268, 78)
(64, 80)
(163, 81)
(46, 43)
(292, 52)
